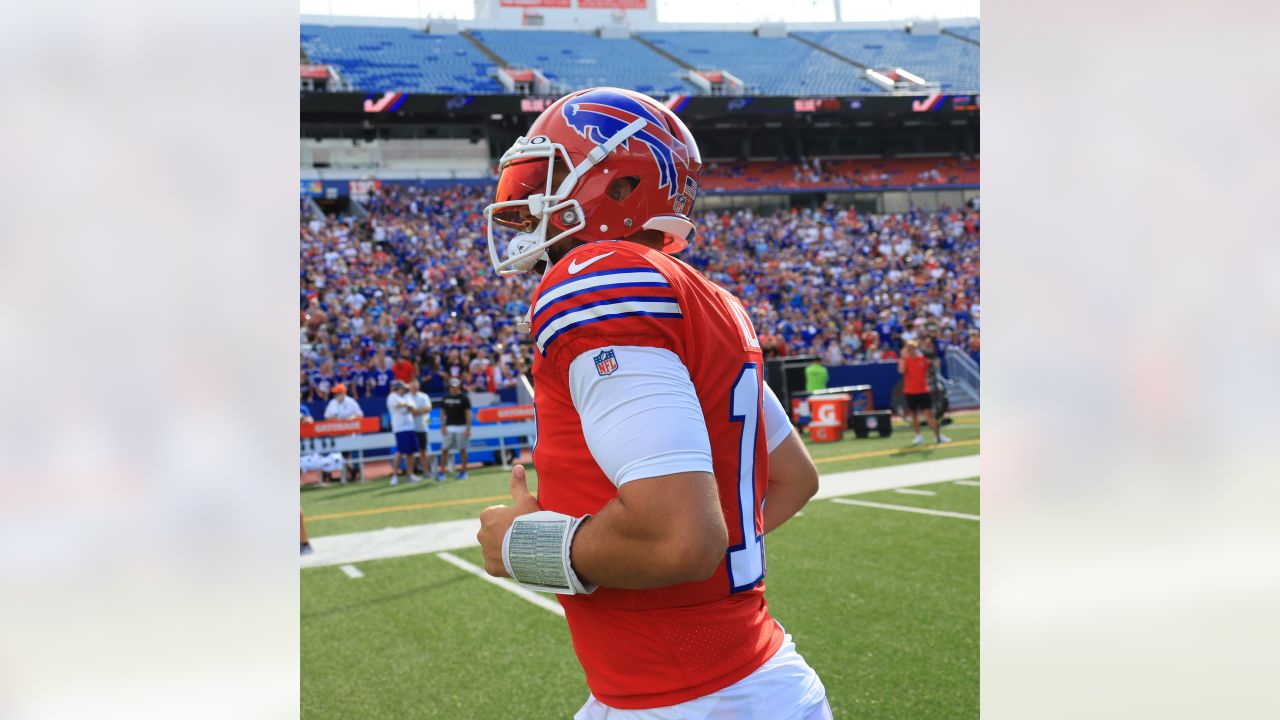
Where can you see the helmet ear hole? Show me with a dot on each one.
(621, 187)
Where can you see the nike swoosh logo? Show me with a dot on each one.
(575, 268)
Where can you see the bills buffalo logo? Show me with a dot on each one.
(598, 116)
(606, 362)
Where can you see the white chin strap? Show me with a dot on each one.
(526, 248)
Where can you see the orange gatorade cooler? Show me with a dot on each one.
(830, 415)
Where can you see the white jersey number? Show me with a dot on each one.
(746, 560)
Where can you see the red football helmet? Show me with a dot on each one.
(562, 178)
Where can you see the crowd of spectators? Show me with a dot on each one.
(407, 291)
(847, 286)
(814, 173)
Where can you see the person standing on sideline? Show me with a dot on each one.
(400, 406)
(304, 544)
(455, 428)
(815, 376)
(421, 416)
(343, 407)
(935, 349)
(914, 367)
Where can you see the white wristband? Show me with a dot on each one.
(535, 552)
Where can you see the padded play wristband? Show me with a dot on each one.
(536, 550)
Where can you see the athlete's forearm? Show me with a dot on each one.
(782, 502)
(793, 479)
(649, 541)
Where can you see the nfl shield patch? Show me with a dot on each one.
(606, 363)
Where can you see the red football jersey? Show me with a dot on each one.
(915, 381)
(662, 646)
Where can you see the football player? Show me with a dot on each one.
(657, 439)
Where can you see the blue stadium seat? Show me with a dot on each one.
(580, 60)
(946, 60)
(378, 59)
(773, 66)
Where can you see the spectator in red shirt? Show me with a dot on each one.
(404, 369)
(914, 367)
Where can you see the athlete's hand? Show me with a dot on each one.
(495, 519)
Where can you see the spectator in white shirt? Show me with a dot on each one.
(343, 407)
(355, 300)
(421, 416)
(401, 407)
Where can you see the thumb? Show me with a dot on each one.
(519, 488)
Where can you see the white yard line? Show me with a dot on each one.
(391, 542)
(913, 491)
(429, 538)
(854, 482)
(970, 483)
(352, 571)
(536, 598)
(905, 508)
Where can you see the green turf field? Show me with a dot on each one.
(882, 603)
(376, 505)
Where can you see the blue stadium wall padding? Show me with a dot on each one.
(880, 376)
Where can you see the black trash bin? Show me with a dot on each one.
(875, 421)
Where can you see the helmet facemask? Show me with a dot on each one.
(532, 204)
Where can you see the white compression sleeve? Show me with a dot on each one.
(642, 418)
(777, 422)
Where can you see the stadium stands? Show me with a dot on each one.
(839, 174)
(769, 66)
(580, 60)
(937, 58)
(378, 59)
(413, 278)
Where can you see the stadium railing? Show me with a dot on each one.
(963, 372)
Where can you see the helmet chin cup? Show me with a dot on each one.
(518, 251)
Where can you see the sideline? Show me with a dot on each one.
(897, 451)
(435, 537)
(321, 517)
